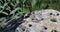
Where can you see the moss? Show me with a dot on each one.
(53, 20)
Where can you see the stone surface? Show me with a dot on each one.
(47, 20)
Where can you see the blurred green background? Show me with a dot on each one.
(16, 8)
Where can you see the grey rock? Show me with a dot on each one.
(40, 21)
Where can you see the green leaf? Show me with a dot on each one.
(33, 3)
(2, 19)
(53, 20)
(12, 12)
(4, 12)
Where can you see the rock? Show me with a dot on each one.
(47, 20)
